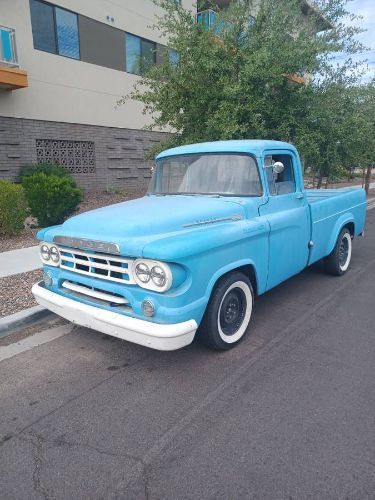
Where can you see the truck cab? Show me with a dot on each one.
(221, 223)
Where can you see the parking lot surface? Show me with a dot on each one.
(288, 414)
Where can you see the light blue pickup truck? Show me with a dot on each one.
(222, 222)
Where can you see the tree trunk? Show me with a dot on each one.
(319, 183)
(368, 179)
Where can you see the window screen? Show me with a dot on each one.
(67, 33)
(43, 26)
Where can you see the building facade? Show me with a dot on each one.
(64, 64)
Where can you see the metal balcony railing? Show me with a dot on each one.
(8, 49)
(210, 20)
(207, 18)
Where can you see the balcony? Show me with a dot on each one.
(209, 19)
(11, 76)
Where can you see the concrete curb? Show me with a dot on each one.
(14, 322)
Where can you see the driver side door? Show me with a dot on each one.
(287, 213)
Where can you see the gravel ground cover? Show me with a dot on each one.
(15, 292)
(92, 199)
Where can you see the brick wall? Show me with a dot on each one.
(119, 153)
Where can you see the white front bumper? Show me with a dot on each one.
(161, 337)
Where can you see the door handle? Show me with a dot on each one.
(300, 196)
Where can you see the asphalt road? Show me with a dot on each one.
(288, 414)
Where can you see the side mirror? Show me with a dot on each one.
(278, 167)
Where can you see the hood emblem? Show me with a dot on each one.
(212, 221)
(83, 244)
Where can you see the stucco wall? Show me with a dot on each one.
(66, 90)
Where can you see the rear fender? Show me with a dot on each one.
(341, 222)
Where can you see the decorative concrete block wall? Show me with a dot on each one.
(98, 157)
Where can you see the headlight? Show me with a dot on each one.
(49, 254)
(143, 272)
(55, 254)
(158, 276)
(45, 252)
(152, 275)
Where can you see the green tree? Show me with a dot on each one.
(338, 132)
(233, 81)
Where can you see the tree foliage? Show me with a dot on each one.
(233, 82)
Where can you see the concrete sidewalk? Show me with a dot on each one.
(19, 261)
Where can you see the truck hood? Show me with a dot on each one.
(133, 224)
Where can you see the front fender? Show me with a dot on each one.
(231, 267)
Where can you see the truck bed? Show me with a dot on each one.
(330, 209)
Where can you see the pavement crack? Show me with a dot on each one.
(139, 463)
(71, 444)
(37, 441)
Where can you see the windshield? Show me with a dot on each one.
(222, 174)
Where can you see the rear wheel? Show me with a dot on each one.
(228, 312)
(338, 261)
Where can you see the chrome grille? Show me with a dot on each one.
(103, 266)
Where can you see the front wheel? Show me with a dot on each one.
(228, 312)
(338, 260)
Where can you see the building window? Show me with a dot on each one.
(140, 54)
(133, 54)
(174, 57)
(43, 25)
(77, 156)
(67, 33)
(55, 30)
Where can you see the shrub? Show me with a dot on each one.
(51, 198)
(12, 208)
(46, 168)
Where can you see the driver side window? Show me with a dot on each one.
(280, 183)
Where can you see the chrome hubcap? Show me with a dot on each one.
(232, 311)
(343, 251)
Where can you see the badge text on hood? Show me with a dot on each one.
(83, 244)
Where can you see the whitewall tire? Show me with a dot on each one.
(338, 261)
(228, 312)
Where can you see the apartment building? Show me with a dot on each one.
(64, 64)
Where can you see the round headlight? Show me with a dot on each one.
(55, 254)
(158, 276)
(45, 252)
(143, 272)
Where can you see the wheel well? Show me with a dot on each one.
(249, 272)
(350, 226)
